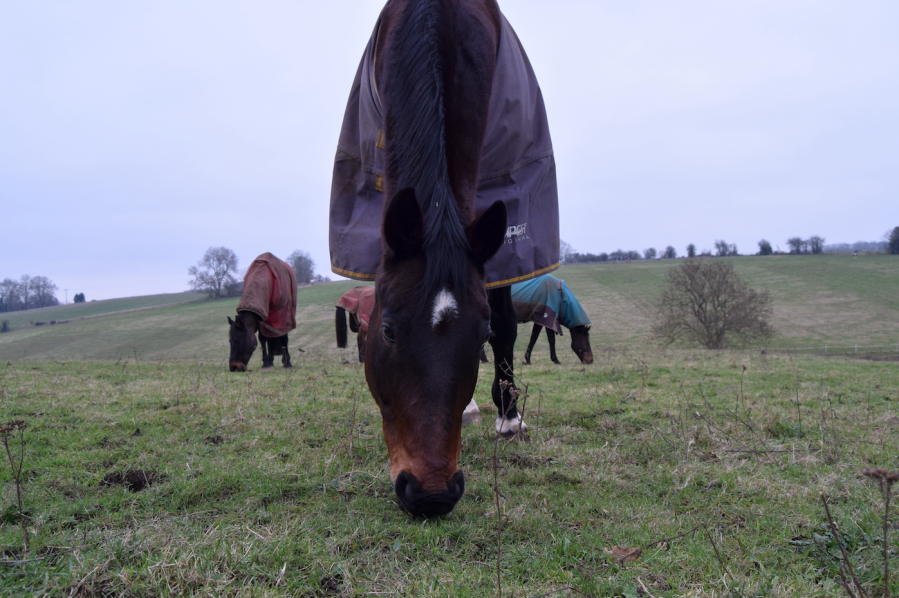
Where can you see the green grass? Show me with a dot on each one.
(193, 330)
(828, 299)
(72, 311)
(276, 483)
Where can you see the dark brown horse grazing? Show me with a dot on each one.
(268, 306)
(429, 75)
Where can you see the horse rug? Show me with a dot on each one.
(359, 301)
(517, 166)
(549, 302)
(270, 292)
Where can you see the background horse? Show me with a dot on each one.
(268, 305)
(358, 302)
(440, 130)
(549, 303)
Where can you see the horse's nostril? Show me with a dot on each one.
(457, 485)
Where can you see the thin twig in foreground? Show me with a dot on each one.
(836, 536)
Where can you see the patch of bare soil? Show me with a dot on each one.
(134, 480)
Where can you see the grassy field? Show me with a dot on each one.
(74, 311)
(182, 479)
(828, 299)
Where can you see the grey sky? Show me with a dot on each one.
(135, 135)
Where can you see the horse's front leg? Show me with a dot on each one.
(285, 357)
(535, 334)
(360, 342)
(267, 358)
(551, 337)
(504, 325)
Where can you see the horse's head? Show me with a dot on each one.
(422, 350)
(242, 337)
(580, 343)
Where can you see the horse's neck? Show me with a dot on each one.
(250, 320)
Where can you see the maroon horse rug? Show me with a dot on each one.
(268, 305)
(358, 302)
(517, 166)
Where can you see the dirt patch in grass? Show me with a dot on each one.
(133, 479)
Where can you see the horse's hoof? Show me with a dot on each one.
(288, 367)
(507, 428)
(557, 362)
(266, 367)
(471, 415)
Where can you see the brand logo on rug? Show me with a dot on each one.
(517, 233)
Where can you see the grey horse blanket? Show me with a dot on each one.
(517, 167)
(549, 302)
(270, 291)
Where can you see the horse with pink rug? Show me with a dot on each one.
(268, 306)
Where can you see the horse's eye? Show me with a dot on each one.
(388, 334)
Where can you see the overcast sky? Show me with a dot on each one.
(135, 135)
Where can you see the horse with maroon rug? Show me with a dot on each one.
(549, 303)
(444, 186)
(357, 303)
(268, 306)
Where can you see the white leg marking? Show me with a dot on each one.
(444, 308)
(471, 415)
(510, 426)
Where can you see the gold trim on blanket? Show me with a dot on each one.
(502, 283)
(354, 275)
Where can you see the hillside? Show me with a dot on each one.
(826, 299)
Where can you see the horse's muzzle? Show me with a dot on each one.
(587, 358)
(237, 366)
(419, 502)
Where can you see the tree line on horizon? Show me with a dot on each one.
(814, 245)
(28, 292)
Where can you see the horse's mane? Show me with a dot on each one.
(416, 139)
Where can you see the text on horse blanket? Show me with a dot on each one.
(270, 291)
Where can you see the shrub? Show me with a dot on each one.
(707, 303)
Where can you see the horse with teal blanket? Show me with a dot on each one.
(549, 303)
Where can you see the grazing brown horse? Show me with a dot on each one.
(268, 306)
(444, 114)
(358, 303)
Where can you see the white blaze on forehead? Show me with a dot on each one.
(444, 308)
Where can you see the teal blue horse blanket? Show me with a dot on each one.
(549, 302)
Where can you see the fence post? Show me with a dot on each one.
(825, 349)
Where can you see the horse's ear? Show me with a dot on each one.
(403, 224)
(230, 321)
(486, 233)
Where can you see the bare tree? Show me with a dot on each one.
(816, 244)
(795, 244)
(565, 252)
(650, 253)
(691, 250)
(724, 249)
(765, 248)
(42, 292)
(215, 273)
(303, 265)
(670, 253)
(892, 239)
(707, 303)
